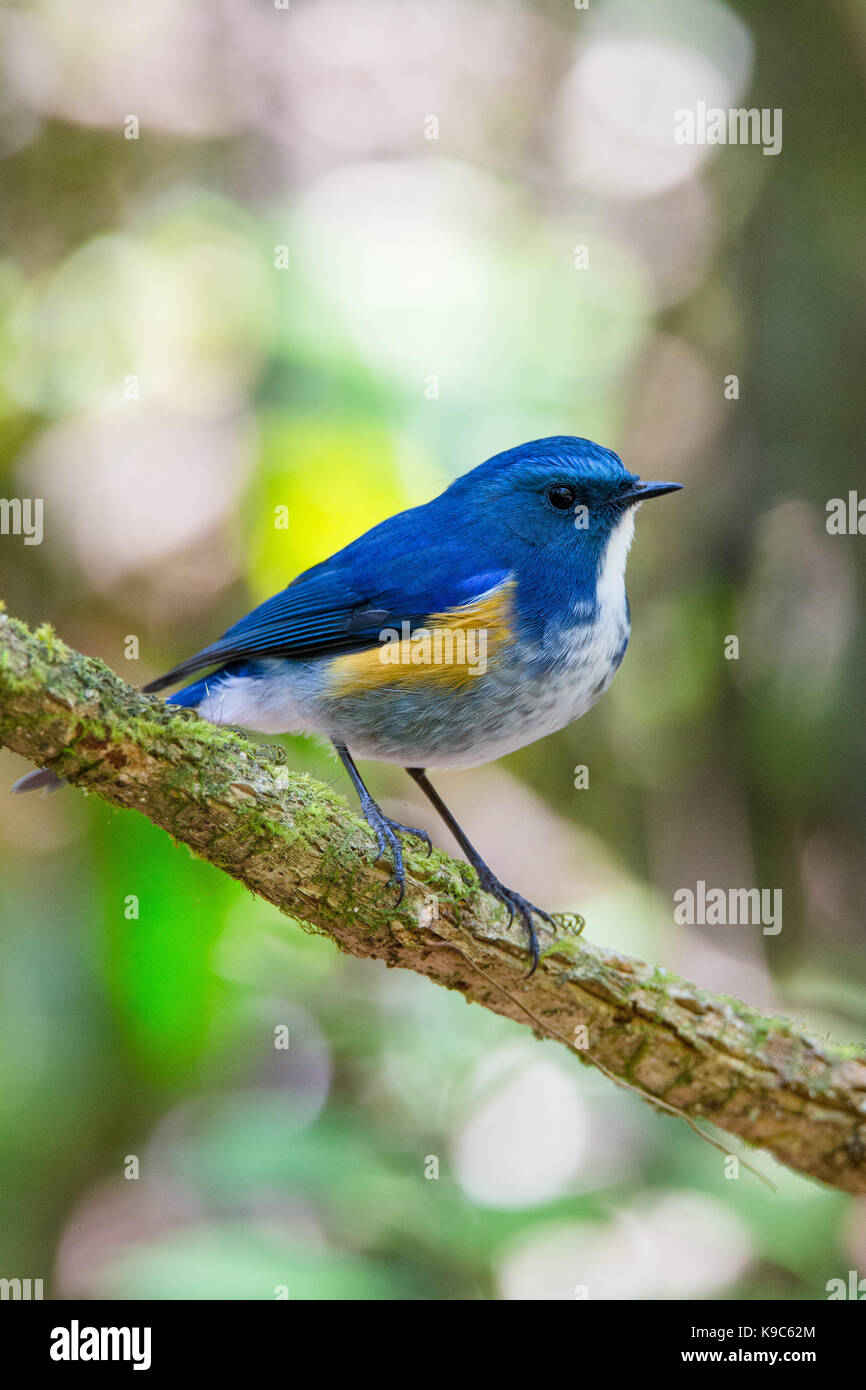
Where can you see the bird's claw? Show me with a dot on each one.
(518, 904)
(387, 834)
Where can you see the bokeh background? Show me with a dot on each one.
(323, 258)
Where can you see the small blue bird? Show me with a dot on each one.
(446, 636)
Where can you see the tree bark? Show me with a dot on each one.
(295, 843)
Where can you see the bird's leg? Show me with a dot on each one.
(488, 880)
(386, 830)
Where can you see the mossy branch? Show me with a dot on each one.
(296, 843)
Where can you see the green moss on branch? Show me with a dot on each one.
(294, 842)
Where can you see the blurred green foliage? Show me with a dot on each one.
(282, 299)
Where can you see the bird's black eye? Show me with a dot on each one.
(561, 497)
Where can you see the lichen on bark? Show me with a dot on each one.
(296, 843)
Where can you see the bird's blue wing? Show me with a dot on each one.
(343, 604)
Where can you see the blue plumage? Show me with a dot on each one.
(439, 556)
(192, 695)
(448, 634)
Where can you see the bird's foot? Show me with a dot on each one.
(517, 906)
(388, 834)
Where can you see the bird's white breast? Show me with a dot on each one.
(592, 648)
(611, 579)
(584, 659)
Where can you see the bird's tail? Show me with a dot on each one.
(34, 781)
(189, 697)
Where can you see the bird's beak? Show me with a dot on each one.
(641, 491)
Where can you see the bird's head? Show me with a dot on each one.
(564, 493)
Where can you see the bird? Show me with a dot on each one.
(446, 636)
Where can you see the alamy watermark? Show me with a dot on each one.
(854, 1288)
(712, 125)
(20, 1289)
(729, 907)
(22, 516)
(77, 1343)
(846, 516)
(464, 647)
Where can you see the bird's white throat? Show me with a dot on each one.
(611, 574)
